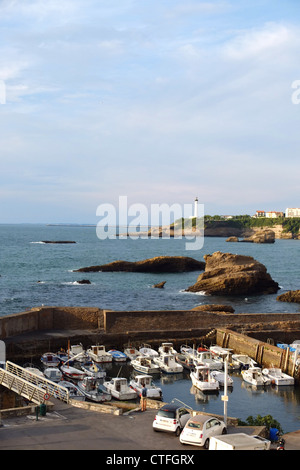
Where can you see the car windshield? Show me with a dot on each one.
(166, 414)
(194, 425)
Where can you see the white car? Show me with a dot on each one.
(171, 418)
(200, 428)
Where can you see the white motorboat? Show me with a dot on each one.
(220, 377)
(131, 353)
(93, 390)
(119, 389)
(71, 372)
(145, 365)
(50, 359)
(33, 370)
(92, 369)
(78, 351)
(206, 358)
(146, 350)
(254, 376)
(223, 354)
(168, 364)
(167, 348)
(277, 377)
(188, 351)
(244, 361)
(99, 354)
(202, 379)
(118, 356)
(74, 391)
(186, 361)
(53, 373)
(153, 392)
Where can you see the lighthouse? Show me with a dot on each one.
(196, 208)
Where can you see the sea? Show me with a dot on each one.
(34, 273)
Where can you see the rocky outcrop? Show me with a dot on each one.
(263, 236)
(158, 264)
(290, 296)
(57, 241)
(232, 239)
(229, 274)
(214, 308)
(160, 285)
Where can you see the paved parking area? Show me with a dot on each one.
(70, 428)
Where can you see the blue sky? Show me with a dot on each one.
(159, 101)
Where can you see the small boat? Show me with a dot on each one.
(153, 392)
(118, 356)
(145, 365)
(77, 350)
(223, 354)
(92, 369)
(53, 373)
(277, 377)
(74, 391)
(254, 376)
(63, 355)
(131, 353)
(206, 358)
(167, 364)
(33, 370)
(186, 361)
(166, 348)
(119, 389)
(202, 379)
(244, 361)
(220, 377)
(93, 390)
(188, 351)
(71, 372)
(50, 359)
(146, 350)
(99, 354)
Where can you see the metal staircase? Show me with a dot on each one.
(31, 386)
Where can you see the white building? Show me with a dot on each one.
(292, 212)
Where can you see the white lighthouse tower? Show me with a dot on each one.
(196, 208)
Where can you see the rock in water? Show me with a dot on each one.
(290, 296)
(158, 264)
(228, 274)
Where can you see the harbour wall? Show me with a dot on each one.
(285, 327)
(30, 333)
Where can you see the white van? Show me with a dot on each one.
(239, 441)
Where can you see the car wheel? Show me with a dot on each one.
(206, 444)
(177, 432)
(224, 431)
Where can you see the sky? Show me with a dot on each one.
(158, 101)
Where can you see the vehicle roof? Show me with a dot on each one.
(200, 418)
(171, 407)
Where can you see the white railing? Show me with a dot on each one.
(30, 385)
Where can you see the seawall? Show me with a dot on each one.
(47, 328)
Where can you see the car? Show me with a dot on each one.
(200, 428)
(171, 418)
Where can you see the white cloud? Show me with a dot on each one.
(256, 43)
